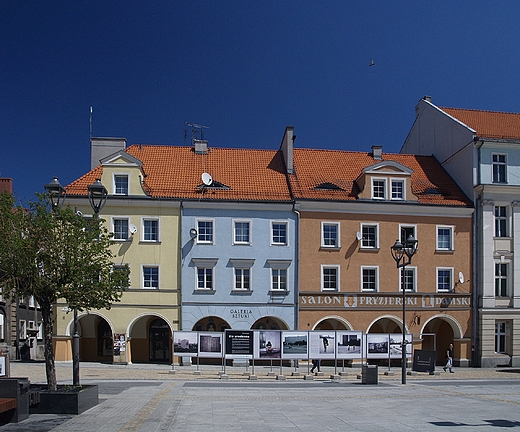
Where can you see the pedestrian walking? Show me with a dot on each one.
(315, 364)
(449, 359)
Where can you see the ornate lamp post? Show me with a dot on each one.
(402, 254)
(97, 196)
(56, 193)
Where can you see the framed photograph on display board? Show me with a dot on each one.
(396, 345)
(210, 344)
(377, 345)
(322, 344)
(185, 343)
(295, 345)
(239, 343)
(348, 344)
(267, 344)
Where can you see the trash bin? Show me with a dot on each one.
(369, 374)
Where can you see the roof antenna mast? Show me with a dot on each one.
(197, 131)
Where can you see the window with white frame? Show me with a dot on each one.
(120, 228)
(407, 231)
(501, 221)
(444, 279)
(369, 279)
(205, 231)
(2, 325)
(330, 278)
(204, 273)
(150, 277)
(330, 234)
(278, 233)
(499, 168)
(279, 274)
(500, 337)
(242, 232)
(151, 230)
(120, 184)
(501, 279)
(408, 279)
(445, 238)
(369, 236)
(379, 188)
(397, 189)
(242, 274)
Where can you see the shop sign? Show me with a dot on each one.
(365, 301)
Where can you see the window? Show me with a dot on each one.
(444, 279)
(205, 231)
(22, 330)
(499, 168)
(329, 278)
(445, 238)
(242, 234)
(151, 230)
(501, 279)
(397, 189)
(279, 233)
(500, 337)
(2, 321)
(278, 279)
(406, 231)
(378, 188)
(120, 229)
(330, 234)
(242, 274)
(500, 221)
(408, 279)
(205, 278)
(151, 277)
(369, 279)
(204, 273)
(120, 184)
(370, 238)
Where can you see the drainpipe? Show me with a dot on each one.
(297, 266)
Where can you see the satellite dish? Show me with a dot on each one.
(359, 236)
(206, 179)
(461, 277)
(132, 228)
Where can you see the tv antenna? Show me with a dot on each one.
(197, 131)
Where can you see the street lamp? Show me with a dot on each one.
(402, 254)
(56, 193)
(97, 195)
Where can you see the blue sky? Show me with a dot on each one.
(245, 69)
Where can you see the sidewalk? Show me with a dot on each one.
(144, 398)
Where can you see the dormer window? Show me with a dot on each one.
(397, 189)
(120, 184)
(379, 189)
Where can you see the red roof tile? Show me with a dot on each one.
(488, 124)
(314, 167)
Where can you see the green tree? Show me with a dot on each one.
(55, 255)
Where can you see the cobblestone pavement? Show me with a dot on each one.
(151, 398)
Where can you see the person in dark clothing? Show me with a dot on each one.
(449, 359)
(315, 364)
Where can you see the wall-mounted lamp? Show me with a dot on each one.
(193, 233)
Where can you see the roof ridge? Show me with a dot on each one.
(479, 110)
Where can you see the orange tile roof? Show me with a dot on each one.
(258, 175)
(175, 172)
(314, 167)
(488, 124)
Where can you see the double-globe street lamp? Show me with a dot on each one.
(402, 254)
(97, 196)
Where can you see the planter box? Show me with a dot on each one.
(65, 400)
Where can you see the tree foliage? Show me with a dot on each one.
(55, 255)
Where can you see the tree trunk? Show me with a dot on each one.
(50, 369)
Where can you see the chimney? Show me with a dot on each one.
(427, 98)
(287, 148)
(200, 146)
(377, 152)
(100, 148)
(6, 185)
